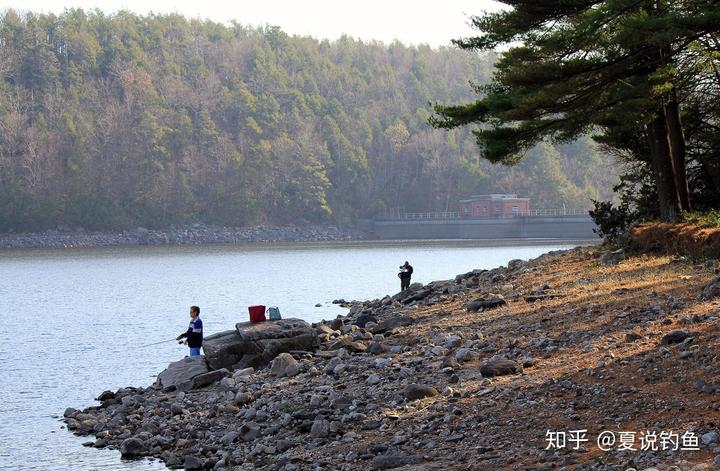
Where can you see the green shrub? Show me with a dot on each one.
(612, 221)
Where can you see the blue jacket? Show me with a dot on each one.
(194, 333)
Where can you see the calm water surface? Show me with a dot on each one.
(74, 320)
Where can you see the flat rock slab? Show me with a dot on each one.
(539, 297)
(256, 344)
(485, 303)
(417, 296)
(348, 344)
(182, 371)
(500, 368)
(205, 379)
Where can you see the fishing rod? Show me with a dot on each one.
(158, 343)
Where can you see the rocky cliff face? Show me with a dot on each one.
(485, 371)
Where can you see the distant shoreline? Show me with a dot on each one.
(196, 234)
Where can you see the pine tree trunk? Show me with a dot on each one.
(662, 163)
(677, 150)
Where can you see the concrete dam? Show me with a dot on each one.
(570, 227)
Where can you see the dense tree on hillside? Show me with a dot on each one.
(112, 121)
(626, 70)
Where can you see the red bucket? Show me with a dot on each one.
(257, 313)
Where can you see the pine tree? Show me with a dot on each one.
(588, 66)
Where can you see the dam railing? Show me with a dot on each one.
(449, 215)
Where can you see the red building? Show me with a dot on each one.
(493, 206)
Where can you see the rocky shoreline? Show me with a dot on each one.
(197, 234)
(468, 373)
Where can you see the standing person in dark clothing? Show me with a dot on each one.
(405, 274)
(194, 333)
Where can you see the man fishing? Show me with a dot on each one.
(405, 274)
(194, 333)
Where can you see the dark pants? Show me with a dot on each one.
(404, 283)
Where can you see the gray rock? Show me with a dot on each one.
(347, 343)
(245, 372)
(282, 363)
(709, 438)
(226, 384)
(612, 258)
(393, 323)
(531, 298)
(376, 348)
(243, 397)
(105, 395)
(363, 319)
(414, 391)
(674, 336)
(320, 428)
(249, 431)
(373, 379)
(632, 337)
(416, 296)
(712, 289)
(500, 368)
(284, 445)
(229, 438)
(192, 463)
(485, 303)
(453, 341)
(200, 381)
(515, 264)
(132, 447)
(465, 354)
(182, 371)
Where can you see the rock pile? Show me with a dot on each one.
(418, 380)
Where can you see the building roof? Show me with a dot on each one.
(493, 197)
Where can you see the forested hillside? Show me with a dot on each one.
(113, 121)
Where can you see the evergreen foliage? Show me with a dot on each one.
(640, 75)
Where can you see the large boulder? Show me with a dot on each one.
(413, 391)
(255, 344)
(675, 336)
(132, 447)
(500, 368)
(284, 365)
(182, 371)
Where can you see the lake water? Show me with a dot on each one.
(74, 320)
